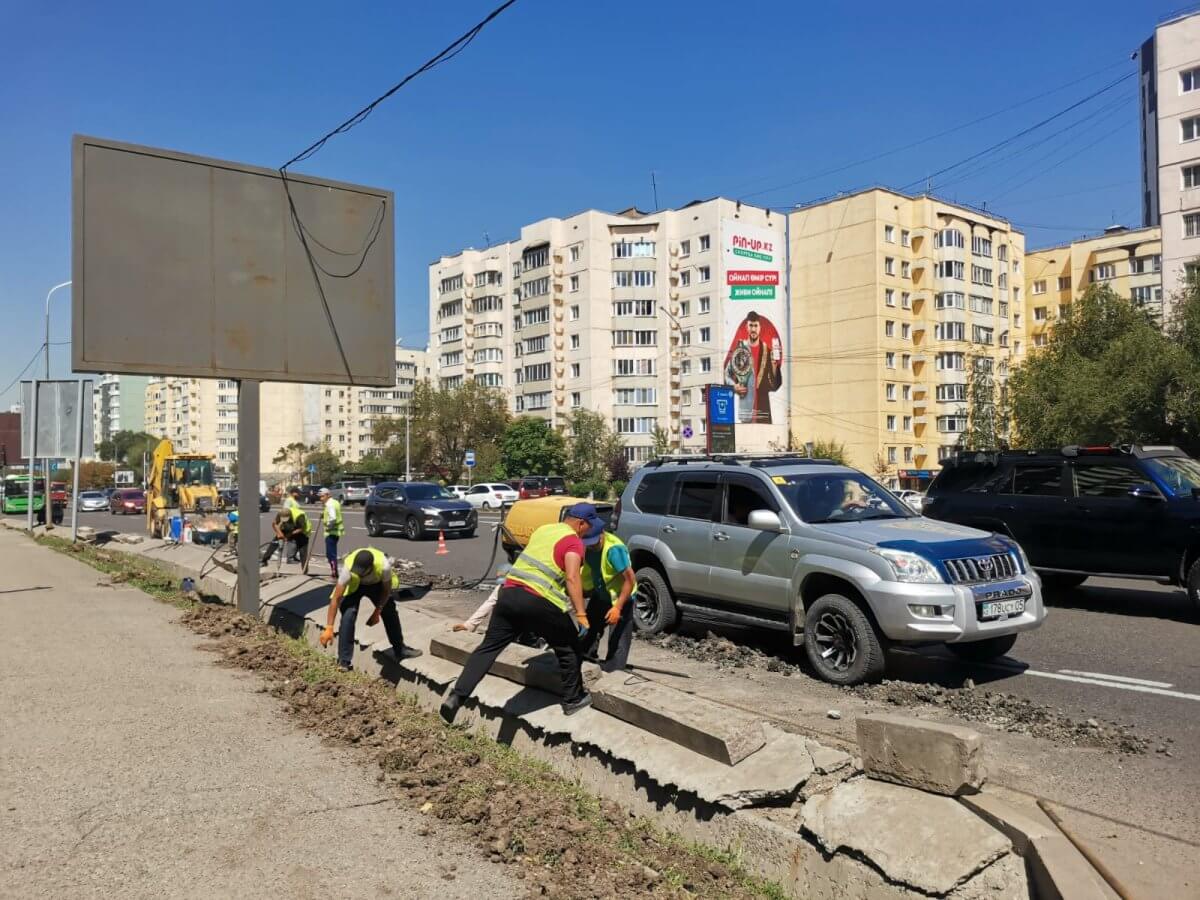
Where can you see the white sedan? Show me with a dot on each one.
(490, 496)
(458, 490)
(911, 498)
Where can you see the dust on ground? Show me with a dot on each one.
(996, 709)
(560, 840)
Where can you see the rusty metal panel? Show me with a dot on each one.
(190, 266)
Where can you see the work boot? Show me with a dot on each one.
(407, 652)
(583, 701)
(450, 705)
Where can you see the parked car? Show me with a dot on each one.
(92, 501)
(822, 552)
(1127, 512)
(912, 498)
(526, 516)
(419, 509)
(458, 490)
(491, 496)
(350, 492)
(309, 493)
(533, 486)
(229, 500)
(555, 484)
(126, 501)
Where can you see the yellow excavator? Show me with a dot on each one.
(179, 483)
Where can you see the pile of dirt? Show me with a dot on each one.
(559, 840)
(412, 572)
(1007, 712)
(721, 652)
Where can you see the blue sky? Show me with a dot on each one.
(561, 106)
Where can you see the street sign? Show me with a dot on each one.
(470, 460)
(720, 407)
(312, 468)
(687, 432)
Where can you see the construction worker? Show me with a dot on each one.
(292, 499)
(335, 527)
(233, 528)
(542, 585)
(365, 573)
(609, 585)
(290, 525)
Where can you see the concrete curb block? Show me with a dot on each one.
(941, 759)
(611, 758)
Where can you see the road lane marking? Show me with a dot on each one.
(1162, 692)
(1120, 678)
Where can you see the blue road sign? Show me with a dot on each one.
(470, 460)
(687, 431)
(722, 408)
(312, 467)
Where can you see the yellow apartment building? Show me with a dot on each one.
(893, 299)
(1128, 261)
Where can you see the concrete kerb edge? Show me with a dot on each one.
(764, 847)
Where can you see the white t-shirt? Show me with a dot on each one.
(330, 506)
(344, 573)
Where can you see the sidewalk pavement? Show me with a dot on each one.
(141, 769)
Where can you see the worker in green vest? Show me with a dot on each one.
(290, 525)
(365, 573)
(542, 586)
(609, 585)
(335, 527)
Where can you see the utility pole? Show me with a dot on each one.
(654, 186)
(48, 505)
(407, 443)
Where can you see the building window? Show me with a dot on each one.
(889, 328)
(490, 303)
(633, 279)
(534, 345)
(905, 391)
(889, 265)
(889, 391)
(908, 451)
(950, 331)
(905, 238)
(891, 423)
(955, 362)
(905, 331)
(1191, 225)
(634, 367)
(685, 278)
(685, 367)
(574, 313)
(631, 250)
(704, 273)
(1189, 81)
(981, 275)
(685, 309)
(574, 370)
(535, 257)
(905, 300)
(685, 397)
(631, 338)
(1040, 340)
(1189, 129)
(891, 455)
(705, 335)
(705, 304)
(981, 335)
(1002, 253)
(489, 354)
(705, 243)
(951, 424)
(889, 233)
(538, 316)
(1191, 177)
(981, 246)
(889, 360)
(1039, 314)
(949, 268)
(981, 304)
(1064, 282)
(539, 372)
(905, 269)
(706, 364)
(576, 399)
(1141, 265)
(951, 393)
(1142, 295)
(641, 308)
(490, 379)
(1038, 288)
(575, 253)
(453, 283)
(574, 283)
(685, 337)
(636, 396)
(950, 237)
(1103, 272)
(636, 425)
(685, 248)
(574, 342)
(889, 297)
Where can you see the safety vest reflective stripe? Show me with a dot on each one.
(335, 526)
(378, 560)
(535, 567)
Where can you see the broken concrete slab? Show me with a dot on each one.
(827, 760)
(127, 538)
(524, 665)
(943, 759)
(927, 842)
(716, 731)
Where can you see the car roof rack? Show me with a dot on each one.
(1071, 451)
(760, 460)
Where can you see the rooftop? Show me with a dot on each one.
(927, 195)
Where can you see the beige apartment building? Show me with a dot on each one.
(1170, 102)
(627, 314)
(1127, 260)
(201, 415)
(895, 298)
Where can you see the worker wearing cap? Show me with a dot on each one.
(335, 527)
(292, 499)
(543, 586)
(609, 585)
(289, 525)
(365, 573)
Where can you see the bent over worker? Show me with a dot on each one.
(365, 573)
(335, 527)
(542, 585)
(289, 525)
(610, 586)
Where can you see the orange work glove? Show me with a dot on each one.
(613, 615)
(327, 636)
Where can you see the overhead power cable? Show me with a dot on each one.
(13, 383)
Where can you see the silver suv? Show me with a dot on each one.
(350, 492)
(823, 552)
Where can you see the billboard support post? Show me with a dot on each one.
(30, 466)
(75, 468)
(248, 512)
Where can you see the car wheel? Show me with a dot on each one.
(487, 505)
(1193, 585)
(373, 529)
(1061, 581)
(654, 609)
(982, 651)
(841, 642)
(412, 529)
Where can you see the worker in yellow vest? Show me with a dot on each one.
(335, 527)
(290, 525)
(365, 573)
(541, 588)
(609, 585)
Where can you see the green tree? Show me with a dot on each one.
(328, 465)
(662, 441)
(986, 410)
(531, 446)
(1109, 374)
(292, 456)
(128, 448)
(445, 423)
(822, 449)
(106, 450)
(592, 447)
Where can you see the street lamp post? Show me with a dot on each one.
(48, 506)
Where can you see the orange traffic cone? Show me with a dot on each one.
(441, 550)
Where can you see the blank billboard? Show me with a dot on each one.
(190, 266)
(57, 419)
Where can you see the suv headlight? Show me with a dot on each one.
(431, 511)
(910, 567)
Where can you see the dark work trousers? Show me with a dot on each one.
(349, 612)
(331, 542)
(519, 611)
(299, 541)
(620, 636)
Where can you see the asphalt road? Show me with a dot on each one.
(1119, 650)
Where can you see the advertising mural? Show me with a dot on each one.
(755, 364)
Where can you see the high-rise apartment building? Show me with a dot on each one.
(900, 305)
(118, 404)
(627, 314)
(1170, 101)
(1128, 261)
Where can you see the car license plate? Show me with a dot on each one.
(994, 609)
(457, 523)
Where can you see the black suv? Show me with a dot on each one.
(1130, 512)
(418, 508)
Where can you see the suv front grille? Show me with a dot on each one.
(980, 569)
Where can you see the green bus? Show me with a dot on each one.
(16, 494)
